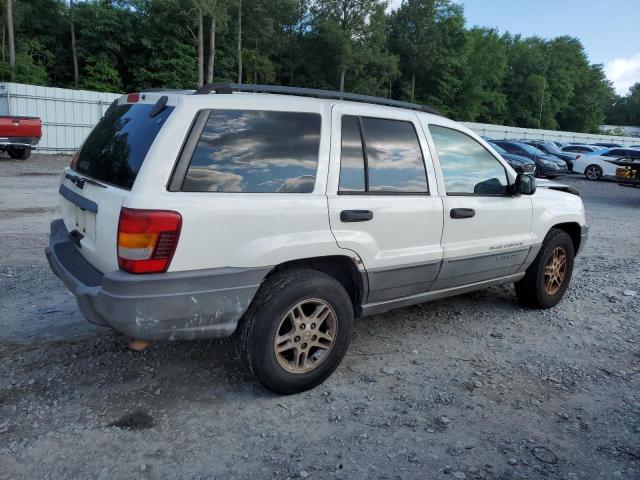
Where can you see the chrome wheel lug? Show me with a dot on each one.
(297, 339)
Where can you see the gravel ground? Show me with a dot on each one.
(468, 387)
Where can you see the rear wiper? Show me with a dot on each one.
(80, 181)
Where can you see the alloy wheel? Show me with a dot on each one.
(555, 271)
(305, 336)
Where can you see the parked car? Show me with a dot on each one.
(546, 165)
(550, 148)
(582, 149)
(281, 217)
(19, 135)
(601, 164)
(519, 163)
(607, 145)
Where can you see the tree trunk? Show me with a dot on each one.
(200, 49)
(74, 51)
(342, 75)
(239, 41)
(12, 45)
(212, 50)
(413, 86)
(255, 69)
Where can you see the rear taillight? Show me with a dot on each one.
(147, 239)
(133, 97)
(74, 160)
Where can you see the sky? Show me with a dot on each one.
(608, 29)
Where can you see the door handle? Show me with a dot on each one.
(462, 213)
(356, 215)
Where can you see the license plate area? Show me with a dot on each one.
(85, 223)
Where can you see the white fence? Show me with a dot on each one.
(69, 115)
(500, 132)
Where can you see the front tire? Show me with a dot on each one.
(593, 172)
(548, 277)
(296, 331)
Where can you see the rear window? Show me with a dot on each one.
(255, 151)
(115, 149)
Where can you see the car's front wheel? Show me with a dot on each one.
(593, 172)
(296, 331)
(548, 277)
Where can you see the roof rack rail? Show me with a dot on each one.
(227, 88)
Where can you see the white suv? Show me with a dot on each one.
(281, 214)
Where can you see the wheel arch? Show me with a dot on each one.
(342, 268)
(574, 230)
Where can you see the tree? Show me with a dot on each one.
(239, 40)
(74, 51)
(8, 14)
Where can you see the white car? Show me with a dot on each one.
(281, 214)
(596, 166)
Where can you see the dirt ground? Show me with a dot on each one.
(469, 387)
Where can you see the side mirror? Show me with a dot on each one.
(525, 185)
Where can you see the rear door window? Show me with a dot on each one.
(255, 151)
(381, 156)
(115, 149)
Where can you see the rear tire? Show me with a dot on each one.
(19, 153)
(283, 342)
(593, 172)
(548, 277)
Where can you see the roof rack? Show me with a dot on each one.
(227, 88)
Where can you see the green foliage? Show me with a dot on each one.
(99, 74)
(421, 52)
(625, 110)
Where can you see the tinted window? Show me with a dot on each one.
(466, 165)
(394, 157)
(115, 149)
(256, 151)
(351, 157)
(390, 162)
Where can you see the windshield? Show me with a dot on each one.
(498, 148)
(551, 148)
(530, 149)
(115, 149)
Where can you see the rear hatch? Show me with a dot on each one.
(103, 172)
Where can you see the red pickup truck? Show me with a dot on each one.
(18, 135)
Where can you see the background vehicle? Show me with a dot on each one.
(579, 148)
(601, 164)
(18, 135)
(519, 163)
(547, 165)
(607, 145)
(330, 209)
(550, 148)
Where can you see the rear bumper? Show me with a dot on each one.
(165, 306)
(20, 142)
